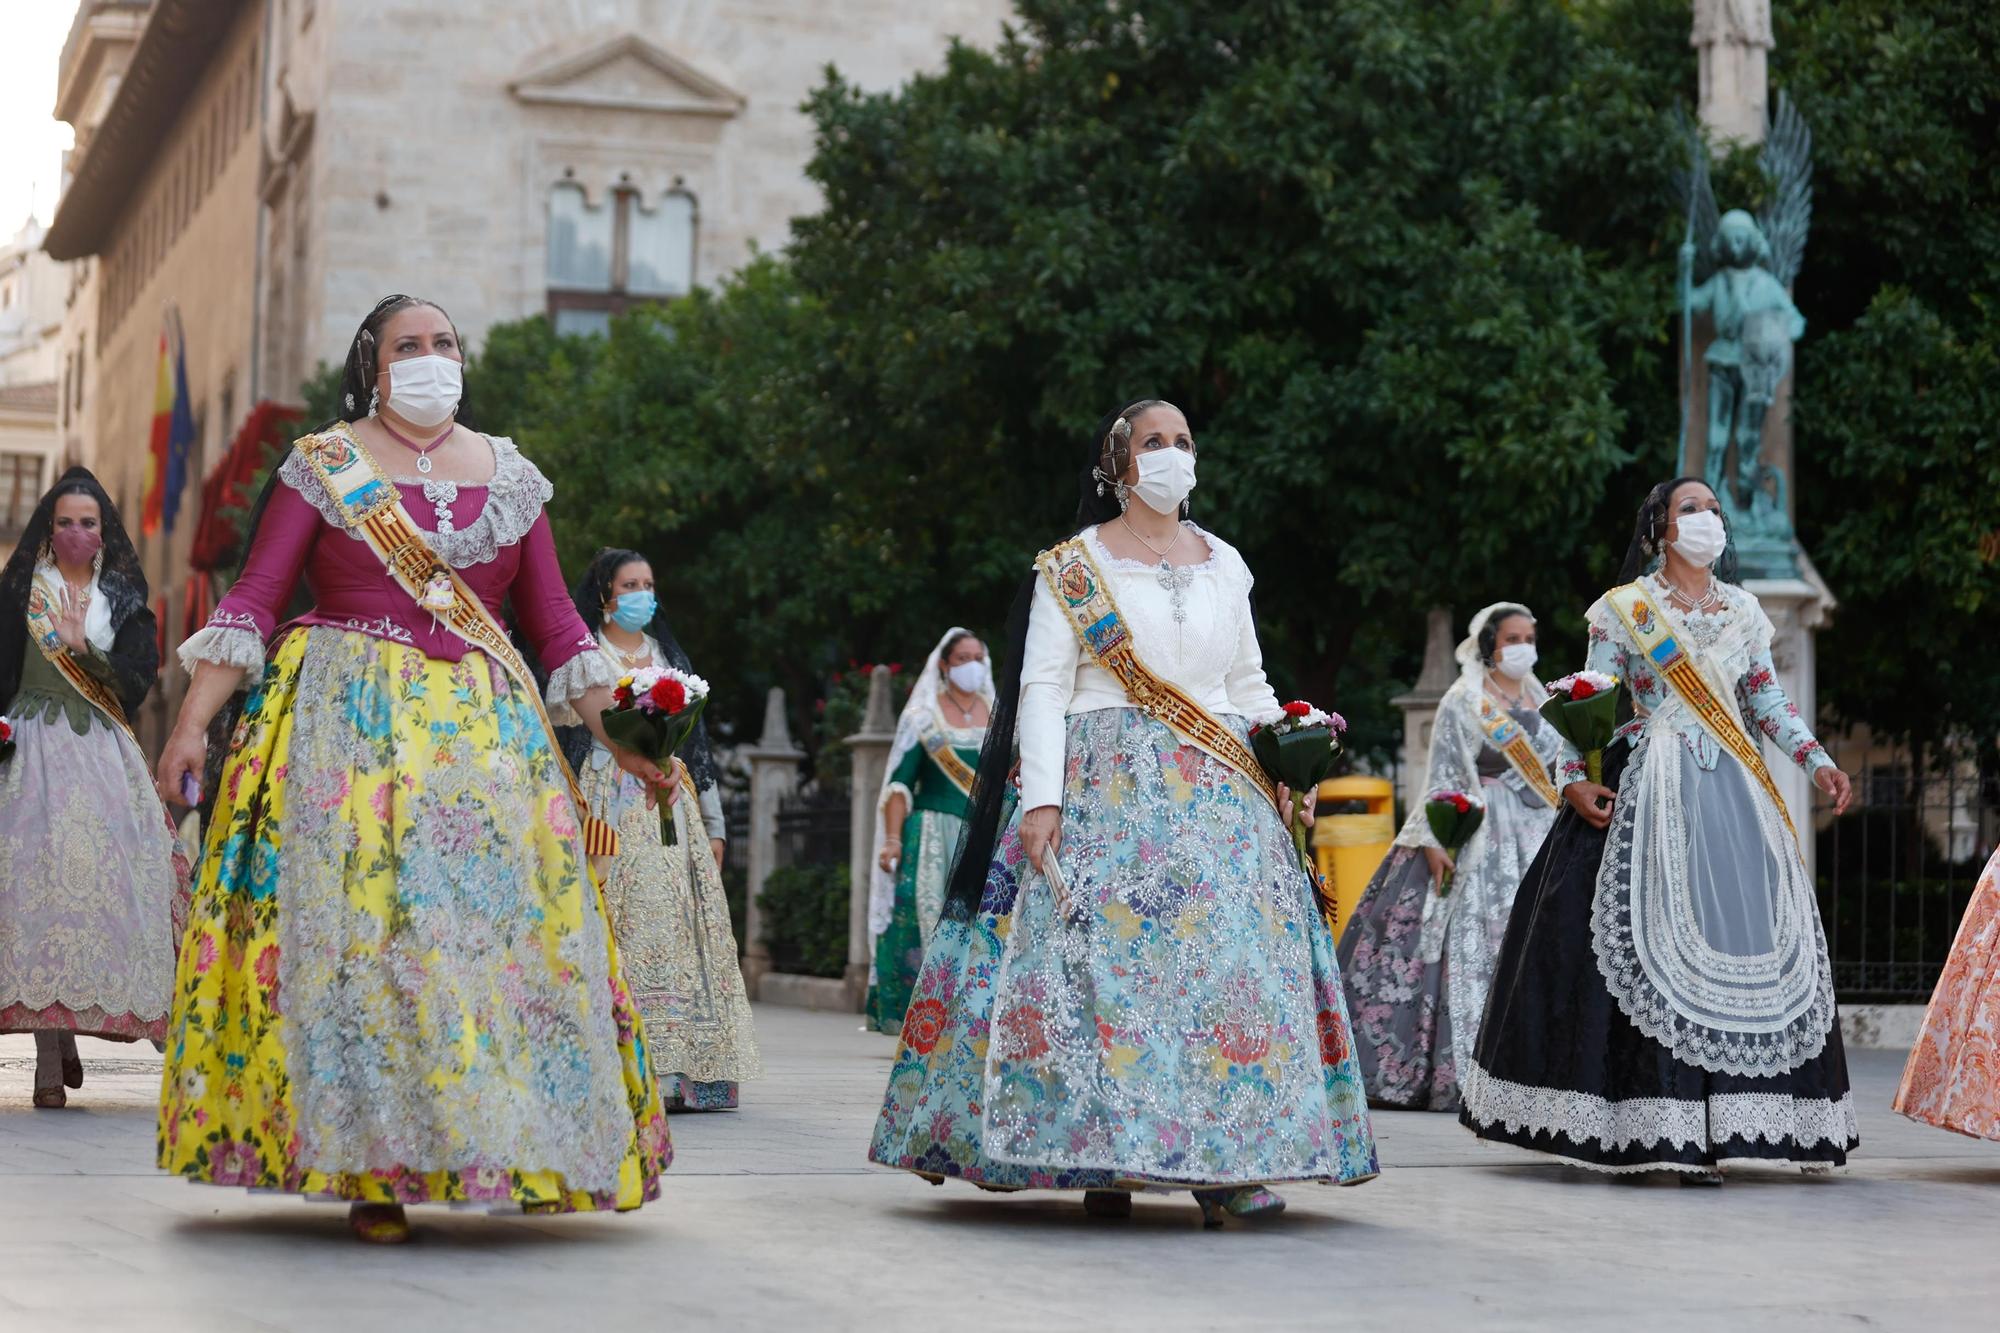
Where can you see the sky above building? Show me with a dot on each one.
(32, 140)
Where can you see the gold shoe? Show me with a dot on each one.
(379, 1223)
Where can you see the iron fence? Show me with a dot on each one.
(813, 828)
(736, 818)
(1895, 872)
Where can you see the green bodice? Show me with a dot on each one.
(930, 788)
(45, 692)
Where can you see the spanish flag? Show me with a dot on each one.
(172, 434)
(156, 447)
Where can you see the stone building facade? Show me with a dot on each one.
(32, 287)
(269, 168)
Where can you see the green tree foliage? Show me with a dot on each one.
(1349, 238)
(1345, 237)
(1905, 418)
(1409, 269)
(1898, 395)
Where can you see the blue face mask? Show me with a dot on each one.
(635, 610)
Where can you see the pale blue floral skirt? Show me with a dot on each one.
(1182, 1024)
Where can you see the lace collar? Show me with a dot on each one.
(1126, 566)
(515, 497)
(649, 652)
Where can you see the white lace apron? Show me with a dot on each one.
(1705, 924)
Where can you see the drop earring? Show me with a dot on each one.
(375, 401)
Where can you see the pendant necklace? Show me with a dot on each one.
(639, 657)
(422, 451)
(1175, 581)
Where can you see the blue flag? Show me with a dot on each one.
(180, 430)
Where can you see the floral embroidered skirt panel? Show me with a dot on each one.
(1180, 1024)
(1559, 1067)
(1417, 965)
(671, 921)
(930, 841)
(398, 982)
(1952, 1079)
(93, 886)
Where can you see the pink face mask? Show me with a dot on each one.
(76, 545)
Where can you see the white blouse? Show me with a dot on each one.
(1210, 651)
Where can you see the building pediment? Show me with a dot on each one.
(628, 73)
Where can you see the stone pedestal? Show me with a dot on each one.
(774, 774)
(1733, 41)
(1420, 706)
(870, 750)
(1797, 608)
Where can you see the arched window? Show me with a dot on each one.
(661, 259)
(604, 256)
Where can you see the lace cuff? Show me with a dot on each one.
(226, 646)
(898, 789)
(588, 670)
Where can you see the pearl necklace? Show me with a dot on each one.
(1710, 599)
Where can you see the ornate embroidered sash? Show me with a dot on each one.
(1511, 740)
(942, 754)
(1080, 590)
(1660, 640)
(371, 505)
(42, 626)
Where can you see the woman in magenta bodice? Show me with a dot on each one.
(397, 984)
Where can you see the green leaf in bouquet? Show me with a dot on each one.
(1452, 827)
(658, 737)
(638, 732)
(1264, 745)
(1301, 760)
(1587, 724)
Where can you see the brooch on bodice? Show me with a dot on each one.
(1176, 581)
(442, 494)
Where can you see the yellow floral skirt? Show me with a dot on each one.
(398, 983)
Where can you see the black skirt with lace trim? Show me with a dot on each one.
(1558, 1068)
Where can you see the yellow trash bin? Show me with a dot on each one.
(1349, 847)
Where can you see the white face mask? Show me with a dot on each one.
(969, 676)
(1515, 660)
(1165, 478)
(1702, 538)
(424, 390)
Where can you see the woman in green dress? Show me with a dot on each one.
(921, 814)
